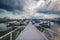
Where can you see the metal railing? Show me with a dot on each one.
(50, 34)
(12, 35)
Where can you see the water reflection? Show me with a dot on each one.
(55, 27)
(3, 27)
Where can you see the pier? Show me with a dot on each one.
(30, 32)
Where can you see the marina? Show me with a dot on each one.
(29, 27)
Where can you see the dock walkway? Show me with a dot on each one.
(31, 33)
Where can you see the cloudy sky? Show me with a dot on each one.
(18, 9)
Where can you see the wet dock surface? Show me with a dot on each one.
(31, 33)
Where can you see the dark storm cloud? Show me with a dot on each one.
(11, 5)
(6, 7)
(49, 12)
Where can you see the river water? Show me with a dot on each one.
(4, 29)
(55, 27)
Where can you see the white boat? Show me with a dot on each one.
(16, 23)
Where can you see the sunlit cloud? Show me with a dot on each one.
(18, 9)
(49, 5)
